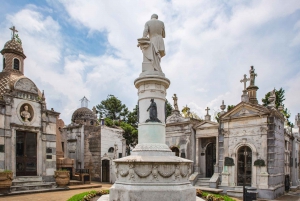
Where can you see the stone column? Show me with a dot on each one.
(197, 153)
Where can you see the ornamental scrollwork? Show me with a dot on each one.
(166, 170)
(143, 172)
(185, 170)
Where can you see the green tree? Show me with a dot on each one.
(230, 107)
(117, 114)
(112, 108)
(279, 94)
(169, 108)
(186, 112)
(132, 117)
(130, 134)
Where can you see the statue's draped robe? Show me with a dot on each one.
(153, 111)
(156, 31)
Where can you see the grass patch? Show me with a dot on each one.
(213, 197)
(87, 195)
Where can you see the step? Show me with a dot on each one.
(28, 178)
(29, 187)
(235, 193)
(75, 182)
(36, 191)
(24, 183)
(203, 179)
(213, 190)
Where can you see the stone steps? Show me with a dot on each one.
(237, 192)
(29, 187)
(75, 182)
(203, 182)
(34, 191)
(30, 183)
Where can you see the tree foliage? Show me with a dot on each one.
(280, 98)
(116, 114)
(186, 112)
(169, 108)
(217, 116)
(279, 94)
(112, 108)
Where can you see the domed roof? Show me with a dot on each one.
(13, 45)
(83, 113)
(14, 79)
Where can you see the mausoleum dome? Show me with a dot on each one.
(84, 116)
(13, 45)
(15, 81)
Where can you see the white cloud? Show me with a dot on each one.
(210, 46)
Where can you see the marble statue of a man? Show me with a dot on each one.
(155, 49)
(155, 29)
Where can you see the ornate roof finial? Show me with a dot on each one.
(207, 110)
(43, 96)
(84, 102)
(14, 30)
(223, 107)
(245, 80)
(207, 116)
(252, 76)
(175, 102)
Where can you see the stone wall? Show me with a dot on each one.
(92, 154)
(275, 155)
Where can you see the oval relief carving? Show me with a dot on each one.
(26, 112)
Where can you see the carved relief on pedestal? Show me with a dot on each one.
(136, 171)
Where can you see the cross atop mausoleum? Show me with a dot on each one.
(245, 80)
(207, 109)
(14, 30)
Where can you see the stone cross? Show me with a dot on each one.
(245, 80)
(207, 109)
(14, 30)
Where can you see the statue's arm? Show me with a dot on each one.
(163, 31)
(146, 30)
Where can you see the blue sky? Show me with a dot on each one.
(88, 48)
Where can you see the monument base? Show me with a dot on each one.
(156, 177)
(152, 192)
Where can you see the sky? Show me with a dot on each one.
(79, 48)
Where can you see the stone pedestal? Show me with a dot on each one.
(152, 172)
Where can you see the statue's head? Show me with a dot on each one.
(154, 16)
(152, 99)
(26, 107)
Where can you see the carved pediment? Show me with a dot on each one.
(244, 110)
(176, 117)
(206, 124)
(25, 84)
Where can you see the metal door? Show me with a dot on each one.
(244, 166)
(26, 154)
(210, 156)
(105, 170)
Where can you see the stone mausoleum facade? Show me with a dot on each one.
(27, 127)
(92, 145)
(250, 141)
